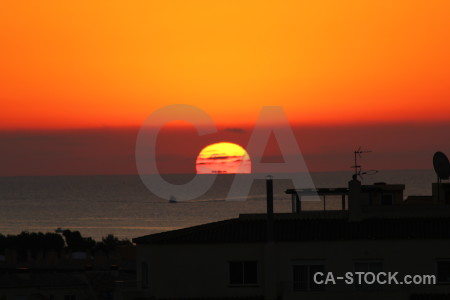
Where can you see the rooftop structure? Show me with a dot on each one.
(276, 255)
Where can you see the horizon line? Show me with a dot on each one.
(193, 174)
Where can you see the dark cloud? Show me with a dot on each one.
(223, 157)
(218, 157)
(236, 130)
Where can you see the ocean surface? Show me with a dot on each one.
(122, 205)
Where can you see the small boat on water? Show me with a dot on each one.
(172, 199)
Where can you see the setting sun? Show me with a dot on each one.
(223, 158)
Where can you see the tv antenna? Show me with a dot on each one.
(357, 167)
(442, 168)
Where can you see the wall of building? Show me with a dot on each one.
(196, 270)
(203, 271)
(56, 293)
(407, 257)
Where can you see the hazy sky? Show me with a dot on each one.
(111, 150)
(79, 78)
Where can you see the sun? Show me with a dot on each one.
(223, 158)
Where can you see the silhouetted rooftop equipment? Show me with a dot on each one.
(442, 168)
(358, 168)
(441, 165)
(269, 191)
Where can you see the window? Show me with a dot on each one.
(144, 275)
(443, 271)
(70, 297)
(243, 273)
(368, 266)
(303, 277)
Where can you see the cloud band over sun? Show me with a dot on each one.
(223, 158)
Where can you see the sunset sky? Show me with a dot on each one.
(77, 79)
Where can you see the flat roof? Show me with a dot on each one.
(254, 230)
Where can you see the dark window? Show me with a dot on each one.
(70, 297)
(372, 266)
(144, 275)
(368, 266)
(303, 277)
(243, 272)
(443, 271)
(387, 199)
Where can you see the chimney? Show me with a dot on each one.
(354, 200)
(270, 225)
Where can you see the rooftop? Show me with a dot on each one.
(290, 228)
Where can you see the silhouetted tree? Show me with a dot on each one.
(20, 243)
(76, 242)
(110, 243)
(53, 242)
(33, 243)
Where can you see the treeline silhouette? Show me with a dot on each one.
(32, 243)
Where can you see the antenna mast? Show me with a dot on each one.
(357, 167)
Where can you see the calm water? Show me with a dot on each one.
(99, 205)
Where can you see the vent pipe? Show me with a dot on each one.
(270, 223)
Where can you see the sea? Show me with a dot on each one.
(122, 205)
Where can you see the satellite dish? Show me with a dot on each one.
(441, 165)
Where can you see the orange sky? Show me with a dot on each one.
(111, 63)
